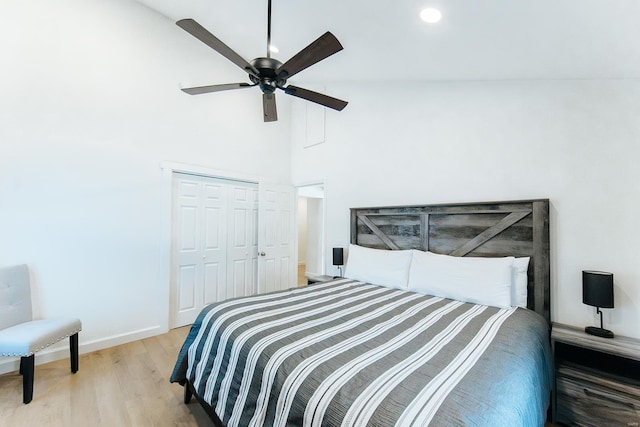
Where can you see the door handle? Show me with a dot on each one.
(262, 254)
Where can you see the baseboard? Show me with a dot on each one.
(60, 350)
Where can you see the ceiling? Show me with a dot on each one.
(476, 40)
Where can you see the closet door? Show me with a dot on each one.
(214, 243)
(277, 266)
(242, 241)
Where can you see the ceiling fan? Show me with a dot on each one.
(269, 73)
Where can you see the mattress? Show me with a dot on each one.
(346, 353)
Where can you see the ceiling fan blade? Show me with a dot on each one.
(269, 107)
(201, 33)
(214, 88)
(318, 98)
(324, 46)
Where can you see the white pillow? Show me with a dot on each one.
(485, 281)
(519, 282)
(378, 266)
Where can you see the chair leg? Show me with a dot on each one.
(27, 365)
(73, 349)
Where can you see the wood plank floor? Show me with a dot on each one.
(127, 385)
(302, 280)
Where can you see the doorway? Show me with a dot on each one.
(311, 247)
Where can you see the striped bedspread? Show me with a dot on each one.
(345, 353)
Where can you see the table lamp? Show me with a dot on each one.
(338, 258)
(597, 291)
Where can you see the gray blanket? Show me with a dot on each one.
(345, 353)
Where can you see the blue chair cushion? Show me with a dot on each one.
(26, 338)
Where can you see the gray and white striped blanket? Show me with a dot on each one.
(345, 353)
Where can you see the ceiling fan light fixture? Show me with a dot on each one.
(431, 15)
(269, 73)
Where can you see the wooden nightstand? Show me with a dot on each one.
(316, 278)
(597, 381)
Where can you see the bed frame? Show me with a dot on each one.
(486, 229)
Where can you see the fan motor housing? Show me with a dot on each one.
(268, 80)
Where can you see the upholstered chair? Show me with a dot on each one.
(20, 335)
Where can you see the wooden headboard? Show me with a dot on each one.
(488, 229)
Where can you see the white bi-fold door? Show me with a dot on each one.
(229, 239)
(214, 244)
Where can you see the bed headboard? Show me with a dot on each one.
(488, 229)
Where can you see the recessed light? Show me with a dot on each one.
(431, 15)
(273, 49)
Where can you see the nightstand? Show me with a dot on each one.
(597, 381)
(316, 278)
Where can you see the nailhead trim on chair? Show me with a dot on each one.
(41, 348)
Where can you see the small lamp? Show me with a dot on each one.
(597, 291)
(338, 258)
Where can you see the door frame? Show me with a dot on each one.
(164, 275)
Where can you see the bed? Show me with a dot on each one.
(385, 352)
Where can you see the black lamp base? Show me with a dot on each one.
(599, 332)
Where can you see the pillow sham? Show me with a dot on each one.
(378, 266)
(485, 281)
(519, 282)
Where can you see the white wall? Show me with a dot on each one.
(574, 142)
(314, 235)
(89, 109)
(310, 233)
(302, 230)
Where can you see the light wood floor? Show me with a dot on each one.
(302, 280)
(126, 385)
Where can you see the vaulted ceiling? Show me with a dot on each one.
(475, 40)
